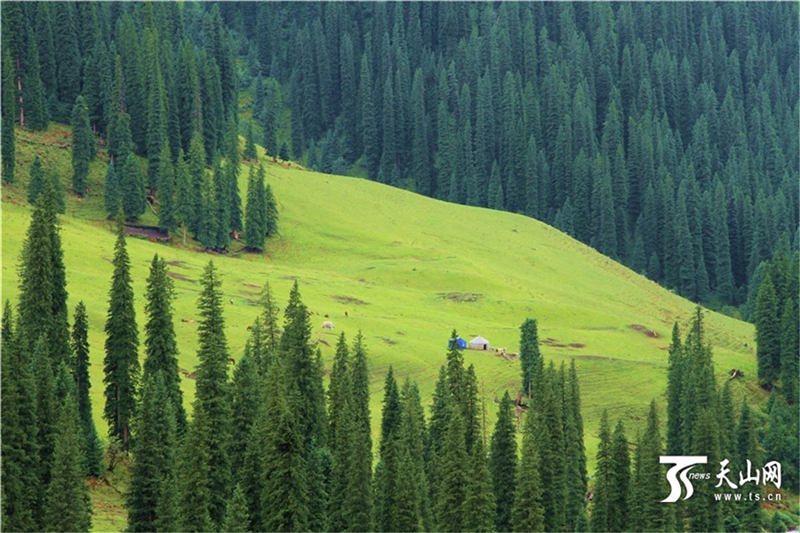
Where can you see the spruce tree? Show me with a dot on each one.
(674, 386)
(19, 426)
(161, 349)
(649, 478)
(83, 146)
(9, 111)
(479, 503)
(386, 471)
(271, 212)
(284, 499)
(165, 184)
(529, 356)
(527, 513)
(503, 464)
(92, 450)
(250, 145)
(67, 505)
(154, 445)
(46, 420)
(790, 374)
(454, 475)
(36, 184)
(255, 211)
(620, 480)
(212, 409)
(768, 336)
(121, 362)
(112, 197)
(184, 206)
(131, 187)
(236, 518)
(358, 502)
(604, 478)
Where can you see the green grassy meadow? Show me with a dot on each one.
(407, 269)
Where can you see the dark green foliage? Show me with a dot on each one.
(236, 517)
(780, 440)
(454, 475)
(112, 197)
(154, 463)
(131, 187)
(358, 502)
(121, 362)
(790, 351)
(250, 146)
(92, 451)
(283, 154)
(386, 472)
(83, 146)
(647, 483)
(67, 506)
(479, 505)
(271, 206)
(768, 333)
(527, 513)
(503, 464)
(161, 350)
(37, 181)
(604, 477)
(284, 499)
(165, 183)
(212, 411)
(255, 223)
(530, 358)
(42, 282)
(9, 108)
(19, 427)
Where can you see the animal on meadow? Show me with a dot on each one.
(327, 324)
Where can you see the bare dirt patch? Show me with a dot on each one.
(252, 285)
(181, 277)
(323, 341)
(388, 341)
(649, 332)
(348, 300)
(150, 232)
(189, 375)
(461, 297)
(178, 264)
(577, 345)
(553, 343)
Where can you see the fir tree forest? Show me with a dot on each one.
(664, 138)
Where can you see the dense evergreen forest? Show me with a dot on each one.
(664, 135)
(270, 448)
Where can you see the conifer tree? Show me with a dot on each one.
(212, 410)
(284, 499)
(454, 476)
(255, 211)
(112, 197)
(339, 431)
(36, 183)
(620, 480)
(575, 452)
(529, 356)
(250, 145)
(154, 444)
(386, 471)
(503, 464)
(56, 192)
(674, 385)
(271, 212)
(46, 420)
(604, 477)
(246, 396)
(197, 180)
(527, 513)
(83, 146)
(9, 111)
(703, 510)
(80, 346)
(67, 506)
(184, 206)
(19, 425)
(161, 349)
(165, 183)
(479, 505)
(358, 500)
(768, 336)
(121, 362)
(131, 187)
(649, 478)
(236, 517)
(790, 374)
(42, 283)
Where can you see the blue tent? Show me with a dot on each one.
(458, 341)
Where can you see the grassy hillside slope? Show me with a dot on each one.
(407, 269)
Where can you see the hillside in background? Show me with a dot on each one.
(407, 270)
